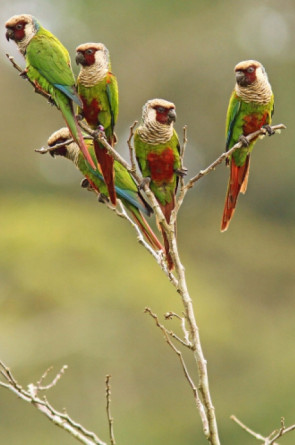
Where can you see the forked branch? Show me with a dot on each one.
(272, 437)
(61, 419)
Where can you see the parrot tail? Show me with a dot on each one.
(167, 251)
(237, 183)
(66, 108)
(106, 162)
(167, 209)
(146, 229)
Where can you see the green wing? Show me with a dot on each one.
(113, 97)
(51, 59)
(231, 117)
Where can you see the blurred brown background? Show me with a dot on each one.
(74, 281)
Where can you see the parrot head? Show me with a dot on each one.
(60, 136)
(159, 110)
(21, 29)
(249, 71)
(93, 54)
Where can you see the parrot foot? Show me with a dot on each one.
(23, 74)
(84, 183)
(269, 130)
(144, 182)
(244, 141)
(79, 117)
(181, 172)
(102, 198)
(99, 132)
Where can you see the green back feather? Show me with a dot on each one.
(51, 59)
(237, 111)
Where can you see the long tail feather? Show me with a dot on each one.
(237, 183)
(106, 162)
(169, 259)
(66, 108)
(167, 209)
(146, 229)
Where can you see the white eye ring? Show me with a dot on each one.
(250, 69)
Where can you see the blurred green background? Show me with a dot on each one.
(73, 280)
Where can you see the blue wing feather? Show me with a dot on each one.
(123, 194)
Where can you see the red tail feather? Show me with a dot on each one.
(147, 231)
(167, 209)
(106, 162)
(66, 107)
(237, 183)
(167, 251)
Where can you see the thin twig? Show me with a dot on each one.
(131, 148)
(186, 342)
(62, 420)
(108, 407)
(198, 402)
(40, 387)
(272, 437)
(249, 431)
(250, 137)
(281, 432)
(44, 150)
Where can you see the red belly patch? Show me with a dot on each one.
(91, 111)
(254, 122)
(161, 165)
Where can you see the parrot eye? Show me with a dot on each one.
(89, 51)
(19, 26)
(160, 109)
(251, 69)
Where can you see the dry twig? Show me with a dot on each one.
(108, 407)
(62, 420)
(272, 437)
(198, 402)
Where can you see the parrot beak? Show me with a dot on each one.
(241, 78)
(80, 59)
(9, 34)
(171, 116)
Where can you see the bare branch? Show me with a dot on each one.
(40, 387)
(131, 148)
(198, 402)
(186, 342)
(279, 433)
(62, 420)
(245, 428)
(110, 418)
(250, 137)
(272, 437)
(44, 150)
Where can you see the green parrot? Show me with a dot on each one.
(126, 188)
(98, 89)
(157, 151)
(48, 66)
(250, 107)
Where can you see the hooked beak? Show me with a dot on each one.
(9, 34)
(241, 79)
(171, 116)
(80, 59)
